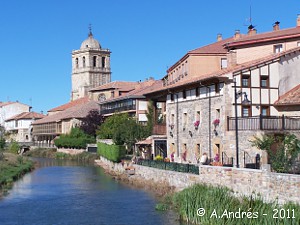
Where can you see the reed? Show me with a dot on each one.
(223, 207)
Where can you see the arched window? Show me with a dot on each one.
(94, 61)
(76, 62)
(83, 61)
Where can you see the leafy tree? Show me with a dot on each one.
(2, 142)
(123, 129)
(91, 122)
(285, 154)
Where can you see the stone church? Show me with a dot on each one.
(90, 67)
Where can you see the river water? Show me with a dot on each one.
(66, 193)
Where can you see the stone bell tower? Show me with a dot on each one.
(90, 67)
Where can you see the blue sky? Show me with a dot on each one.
(145, 37)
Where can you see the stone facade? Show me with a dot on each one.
(244, 182)
(90, 67)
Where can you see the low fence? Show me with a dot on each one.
(172, 166)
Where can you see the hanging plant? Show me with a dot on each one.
(216, 122)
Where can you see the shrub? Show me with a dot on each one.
(13, 147)
(159, 158)
(111, 152)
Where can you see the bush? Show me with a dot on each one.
(13, 147)
(111, 152)
(76, 139)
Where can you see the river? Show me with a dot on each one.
(68, 193)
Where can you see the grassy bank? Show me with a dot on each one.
(52, 153)
(12, 167)
(221, 207)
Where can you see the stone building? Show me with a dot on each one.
(90, 67)
(200, 109)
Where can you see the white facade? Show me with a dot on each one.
(10, 109)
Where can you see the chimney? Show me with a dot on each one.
(251, 30)
(237, 34)
(298, 20)
(219, 37)
(276, 26)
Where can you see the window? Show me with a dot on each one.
(217, 113)
(112, 94)
(265, 111)
(217, 88)
(103, 62)
(184, 120)
(197, 116)
(246, 111)
(184, 94)
(264, 81)
(94, 61)
(223, 63)
(197, 92)
(277, 48)
(245, 81)
(298, 43)
(172, 97)
(76, 62)
(83, 61)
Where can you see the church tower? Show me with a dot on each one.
(90, 67)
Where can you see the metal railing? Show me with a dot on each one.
(251, 162)
(172, 166)
(118, 109)
(227, 161)
(264, 123)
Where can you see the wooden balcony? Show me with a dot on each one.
(159, 129)
(264, 123)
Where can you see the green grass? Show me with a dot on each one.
(222, 207)
(11, 170)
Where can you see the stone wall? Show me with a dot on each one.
(71, 151)
(271, 186)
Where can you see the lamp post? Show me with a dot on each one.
(244, 102)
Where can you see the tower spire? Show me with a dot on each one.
(90, 30)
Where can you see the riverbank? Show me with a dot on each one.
(12, 167)
(190, 194)
(126, 176)
(53, 154)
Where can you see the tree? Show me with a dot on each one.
(91, 122)
(285, 154)
(123, 129)
(2, 142)
(150, 118)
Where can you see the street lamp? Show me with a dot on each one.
(245, 101)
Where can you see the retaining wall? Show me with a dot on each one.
(271, 186)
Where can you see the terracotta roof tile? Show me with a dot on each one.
(27, 115)
(63, 107)
(223, 72)
(291, 97)
(77, 111)
(264, 37)
(214, 48)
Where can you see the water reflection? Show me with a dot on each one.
(72, 193)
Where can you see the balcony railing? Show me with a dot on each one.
(264, 123)
(118, 109)
(159, 129)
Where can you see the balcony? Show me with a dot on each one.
(264, 123)
(159, 129)
(118, 109)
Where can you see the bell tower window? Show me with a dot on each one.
(94, 61)
(103, 62)
(83, 61)
(76, 63)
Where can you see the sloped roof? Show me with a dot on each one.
(27, 115)
(10, 103)
(121, 85)
(138, 92)
(265, 37)
(214, 48)
(77, 111)
(68, 105)
(291, 97)
(221, 73)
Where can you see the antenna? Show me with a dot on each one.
(249, 20)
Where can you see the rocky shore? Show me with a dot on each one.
(159, 189)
